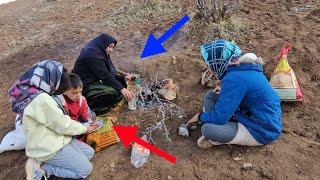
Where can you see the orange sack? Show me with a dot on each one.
(283, 79)
(104, 137)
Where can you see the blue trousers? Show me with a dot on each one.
(218, 133)
(72, 161)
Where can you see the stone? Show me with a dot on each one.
(247, 166)
(237, 158)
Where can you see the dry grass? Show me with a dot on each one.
(216, 20)
(202, 31)
(231, 28)
(83, 7)
(139, 11)
(217, 10)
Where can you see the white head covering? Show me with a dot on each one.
(251, 56)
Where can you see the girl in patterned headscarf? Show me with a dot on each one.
(50, 147)
(42, 77)
(245, 110)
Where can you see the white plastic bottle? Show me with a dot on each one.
(132, 104)
(139, 154)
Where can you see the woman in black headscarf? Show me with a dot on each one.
(102, 86)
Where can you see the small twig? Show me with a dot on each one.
(140, 93)
(296, 10)
(206, 76)
(156, 79)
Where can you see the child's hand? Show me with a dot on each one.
(89, 120)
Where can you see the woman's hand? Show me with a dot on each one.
(217, 90)
(194, 119)
(129, 77)
(127, 94)
(90, 129)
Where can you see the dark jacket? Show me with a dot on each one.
(94, 64)
(245, 87)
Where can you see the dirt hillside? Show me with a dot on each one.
(33, 30)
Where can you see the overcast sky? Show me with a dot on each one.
(5, 1)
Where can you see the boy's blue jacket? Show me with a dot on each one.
(247, 94)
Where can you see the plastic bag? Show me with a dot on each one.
(168, 90)
(183, 130)
(283, 79)
(14, 140)
(139, 154)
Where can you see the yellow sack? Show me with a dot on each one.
(103, 137)
(283, 79)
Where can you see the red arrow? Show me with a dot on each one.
(128, 134)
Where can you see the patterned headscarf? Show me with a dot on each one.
(218, 55)
(44, 76)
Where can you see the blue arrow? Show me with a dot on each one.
(154, 46)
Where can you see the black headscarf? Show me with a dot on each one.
(96, 49)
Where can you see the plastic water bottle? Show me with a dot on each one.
(132, 104)
(139, 154)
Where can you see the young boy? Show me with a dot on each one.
(74, 103)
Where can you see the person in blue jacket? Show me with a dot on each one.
(245, 110)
